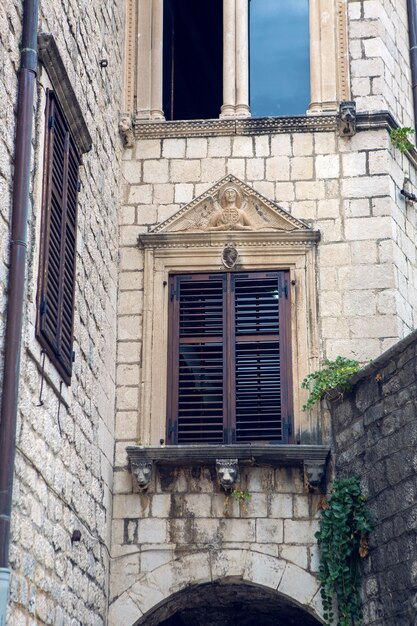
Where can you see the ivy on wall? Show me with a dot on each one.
(343, 540)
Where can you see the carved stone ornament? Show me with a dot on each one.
(142, 471)
(126, 130)
(229, 256)
(347, 118)
(227, 472)
(231, 206)
(315, 472)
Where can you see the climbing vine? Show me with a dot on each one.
(399, 138)
(334, 374)
(343, 540)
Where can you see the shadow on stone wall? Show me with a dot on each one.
(375, 437)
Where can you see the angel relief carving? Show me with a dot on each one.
(230, 214)
(230, 206)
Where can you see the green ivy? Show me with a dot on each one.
(399, 138)
(334, 374)
(343, 540)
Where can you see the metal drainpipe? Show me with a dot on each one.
(16, 285)
(412, 35)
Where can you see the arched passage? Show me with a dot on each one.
(228, 604)
(232, 579)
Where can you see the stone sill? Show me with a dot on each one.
(312, 458)
(252, 454)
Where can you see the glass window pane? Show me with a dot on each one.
(279, 57)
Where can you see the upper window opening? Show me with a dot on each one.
(192, 59)
(279, 57)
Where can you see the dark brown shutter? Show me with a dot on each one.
(257, 299)
(58, 241)
(229, 355)
(198, 359)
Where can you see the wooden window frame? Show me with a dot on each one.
(230, 339)
(57, 258)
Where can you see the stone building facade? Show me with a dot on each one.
(160, 535)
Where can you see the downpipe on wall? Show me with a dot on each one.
(412, 34)
(16, 285)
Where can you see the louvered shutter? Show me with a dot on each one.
(229, 356)
(257, 360)
(58, 243)
(198, 358)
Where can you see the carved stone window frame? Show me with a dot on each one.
(168, 252)
(329, 58)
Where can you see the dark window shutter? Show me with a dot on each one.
(229, 355)
(198, 359)
(58, 241)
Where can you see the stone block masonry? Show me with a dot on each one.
(65, 445)
(185, 517)
(375, 438)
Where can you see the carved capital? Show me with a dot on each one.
(142, 471)
(126, 130)
(314, 470)
(227, 472)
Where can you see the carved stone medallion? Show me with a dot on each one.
(229, 256)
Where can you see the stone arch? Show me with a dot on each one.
(230, 566)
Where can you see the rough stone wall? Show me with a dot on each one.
(185, 518)
(380, 57)
(375, 438)
(64, 453)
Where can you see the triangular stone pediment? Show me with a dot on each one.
(231, 205)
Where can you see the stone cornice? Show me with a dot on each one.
(248, 126)
(52, 61)
(295, 238)
(312, 459)
(270, 454)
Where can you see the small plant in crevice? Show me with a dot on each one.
(399, 138)
(345, 525)
(240, 495)
(334, 374)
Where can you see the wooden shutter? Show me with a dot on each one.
(229, 356)
(58, 241)
(198, 373)
(257, 322)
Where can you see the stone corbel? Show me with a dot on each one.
(142, 471)
(314, 471)
(227, 472)
(126, 130)
(347, 118)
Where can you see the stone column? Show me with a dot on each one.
(143, 70)
(329, 58)
(229, 58)
(156, 60)
(315, 57)
(242, 59)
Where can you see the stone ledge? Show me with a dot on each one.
(312, 459)
(234, 127)
(252, 454)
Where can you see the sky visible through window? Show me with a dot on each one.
(279, 57)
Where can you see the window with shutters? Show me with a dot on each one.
(55, 299)
(229, 358)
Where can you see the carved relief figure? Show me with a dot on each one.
(227, 472)
(229, 214)
(142, 470)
